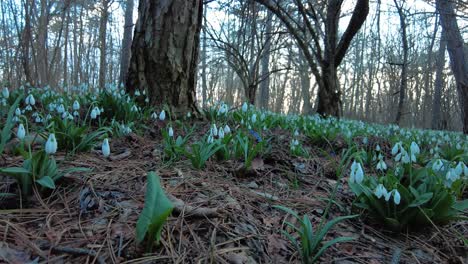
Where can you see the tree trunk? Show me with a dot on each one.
(265, 85)
(165, 52)
(404, 66)
(102, 42)
(204, 61)
(126, 41)
(439, 83)
(42, 44)
(458, 58)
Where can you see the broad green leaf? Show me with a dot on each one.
(329, 244)
(157, 208)
(14, 171)
(47, 182)
(422, 199)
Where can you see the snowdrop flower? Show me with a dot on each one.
(395, 148)
(5, 93)
(396, 197)
(414, 148)
(60, 109)
(296, 133)
(387, 195)
(162, 115)
(451, 175)
(365, 141)
(75, 113)
(262, 117)
(377, 148)
(242, 121)
(28, 108)
(137, 93)
(21, 133)
(214, 130)
(51, 144)
(381, 165)
(189, 115)
(227, 129)
(245, 107)
(210, 139)
(154, 116)
(18, 112)
(380, 191)
(437, 165)
(357, 174)
(134, 108)
(222, 109)
(295, 142)
(105, 148)
(254, 118)
(38, 119)
(460, 168)
(171, 132)
(30, 100)
(146, 100)
(221, 133)
(93, 113)
(76, 105)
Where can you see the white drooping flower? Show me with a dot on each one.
(296, 133)
(38, 119)
(134, 108)
(460, 168)
(21, 133)
(210, 139)
(414, 148)
(5, 93)
(396, 197)
(245, 107)
(221, 133)
(18, 112)
(357, 174)
(437, 165)
(162, 115)
(171, 132)
(105, 148)
(137, 93)
(51, 144)
(60, 109)
(30, 100)
(93, 113)
(227, 129)
(76, 105)
(452, 175)
(396, 148)
(254, 118)
(380, 191)
(214, 130)
(381, 165)
(377, 148)
(154, 116)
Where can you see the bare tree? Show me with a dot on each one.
(403, 64)
(127, 40)
(322, 59)
(458, 58)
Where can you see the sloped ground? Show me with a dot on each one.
(221, 216)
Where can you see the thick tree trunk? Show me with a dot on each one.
(329, 95)
(204, 62)
(42, 62)
(126, 41)
(404, 65)
(439, 83)
(458, 58)
(102, 42)
(165, 52)
(265, 85)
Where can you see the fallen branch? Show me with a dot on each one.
(180, 206)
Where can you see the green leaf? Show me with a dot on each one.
(323, 230)
(157, 208)
(329, 244)
(14, 171)
(422, 199)
(6, 131)
(47, 182)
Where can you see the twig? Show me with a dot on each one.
(180, 206)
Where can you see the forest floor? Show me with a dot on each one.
(221, 216)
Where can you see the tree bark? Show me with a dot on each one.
(404, 65)
(126, 41)
(165, 52)
(458, 58)
(265, 85)
(102, 42)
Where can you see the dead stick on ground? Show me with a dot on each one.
(180, 206)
